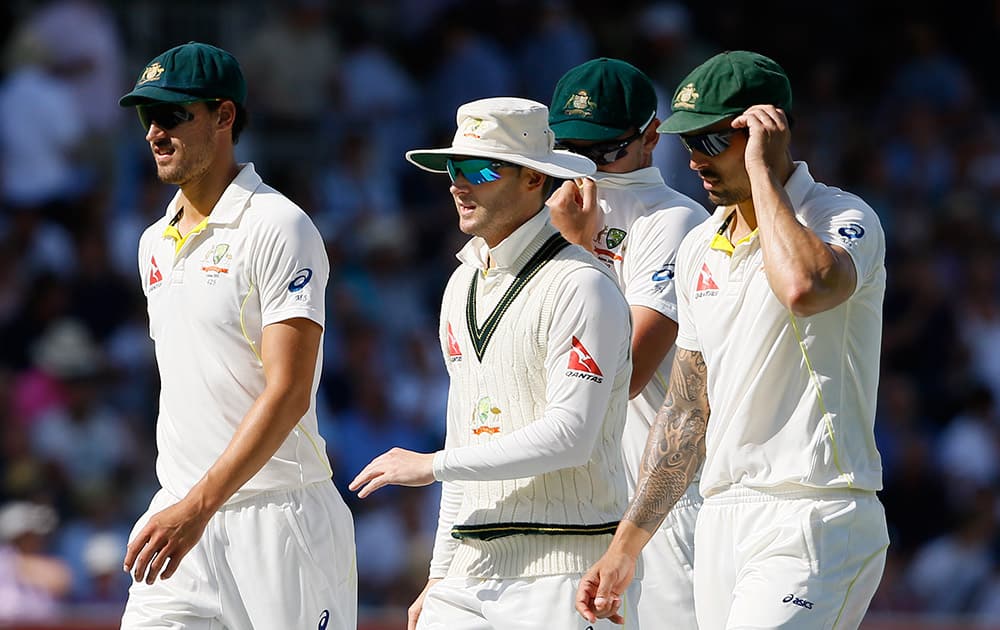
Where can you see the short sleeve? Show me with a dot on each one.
(856, 229)
(687, 337)
(650, 253)
(290, 267)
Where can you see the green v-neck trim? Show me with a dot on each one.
(481, 336)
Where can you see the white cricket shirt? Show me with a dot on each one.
(644, 223)
(257, 260)
(771, 421)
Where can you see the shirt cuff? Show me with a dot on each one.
(438, 466)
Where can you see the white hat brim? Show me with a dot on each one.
(559, 164)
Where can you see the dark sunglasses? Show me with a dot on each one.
(710, 144)
(166, 115)
(602, 153)
(475, 170)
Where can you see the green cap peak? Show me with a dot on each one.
(724, 86)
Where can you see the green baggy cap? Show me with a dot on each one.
(600, 100)
(726, 85)
(189, 72)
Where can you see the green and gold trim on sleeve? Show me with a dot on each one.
(499, 530)
(481, 336)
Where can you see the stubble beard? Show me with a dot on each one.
(191, 167)
(729, 197)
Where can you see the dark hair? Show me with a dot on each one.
(239, 123)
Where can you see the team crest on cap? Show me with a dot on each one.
(151, 73)
(580, 104)
(471, 127)
(687, 97)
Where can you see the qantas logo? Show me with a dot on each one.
(454, 352)
(706, 284)
(155, 277)
(582, 365)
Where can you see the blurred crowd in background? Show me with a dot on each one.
(900, 108)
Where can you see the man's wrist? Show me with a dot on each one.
(437, 466)
(629, 539)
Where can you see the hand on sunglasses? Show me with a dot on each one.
(769, 134)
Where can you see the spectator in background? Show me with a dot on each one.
(41, 133)
(969, 446)
(555, 40)
(81, 436)
(979, 315)
(87, 54)
(63, 354)
(469, 52)
(291, 61)
(102, 559)
(33, 583)
(949, 572)
(377, 97)
(667, 46)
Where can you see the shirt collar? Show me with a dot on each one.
(649, 176)
(509, 250)
(234, 198)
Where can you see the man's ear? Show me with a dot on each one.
(533, 178)
(226, 115)
(650, 137)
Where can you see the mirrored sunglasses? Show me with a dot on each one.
(476, 171)
(602, 153)
(710, 144)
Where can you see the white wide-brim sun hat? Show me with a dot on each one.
(514, 130)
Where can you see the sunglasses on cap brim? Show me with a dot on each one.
(167, 115)
(709, 144)
(475, 170)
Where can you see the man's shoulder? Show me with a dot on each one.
(573, 259)
(154, 229)
(677, 213)
(268, 207)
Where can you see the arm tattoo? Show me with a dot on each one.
(676, 444)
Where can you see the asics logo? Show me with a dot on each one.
(301, 279)
(798, 601)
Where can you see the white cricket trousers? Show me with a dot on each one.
(666, 597)
(789, 557)
(542, 603)
(282, 559)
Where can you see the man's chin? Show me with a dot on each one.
(171, 176)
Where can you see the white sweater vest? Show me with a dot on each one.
(558, 522)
